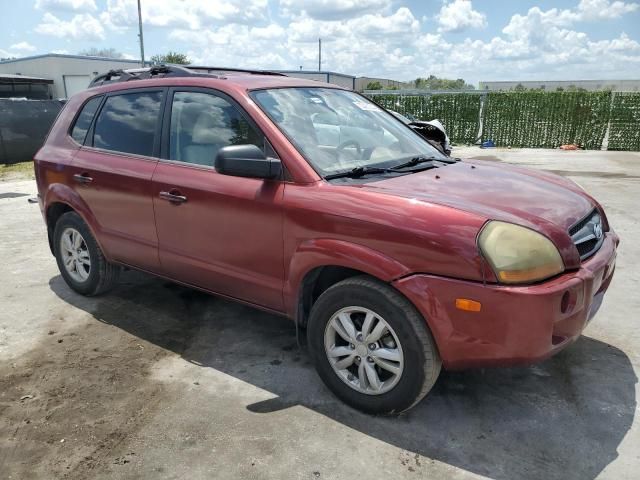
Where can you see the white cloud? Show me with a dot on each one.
(68, 5)
(7, 54)
(362, 45)
(270, 32)
(384, 28)
(81, 27)
(604, 9)
(187, 14)
(332, 9)
(236, 45)
(23, 46)
(365, 37)
(459, 15)
(543, 43)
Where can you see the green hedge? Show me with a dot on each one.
(546, 119)
(459, 113)
(535, 119)
(624, 132)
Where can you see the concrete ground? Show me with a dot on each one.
(155, 381)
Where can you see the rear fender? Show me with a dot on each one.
(61, 193)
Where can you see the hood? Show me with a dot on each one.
(527, 197)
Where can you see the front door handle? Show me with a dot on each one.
(173, 196)
(83, 178)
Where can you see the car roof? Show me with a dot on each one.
(200, 76)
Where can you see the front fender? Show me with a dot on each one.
(329, 252)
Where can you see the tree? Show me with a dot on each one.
(435, 83)
(172, 58)
(374, 86)
(519, 88)
(101, 52)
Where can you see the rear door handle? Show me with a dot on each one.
(173, 196)
(83, 178)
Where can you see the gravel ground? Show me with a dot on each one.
(155, 381)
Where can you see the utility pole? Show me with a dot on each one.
(319, 54)
(140, 34)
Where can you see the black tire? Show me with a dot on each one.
(422, 362)
(102, 274)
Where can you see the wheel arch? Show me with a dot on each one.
(61, 199)
(318, 264)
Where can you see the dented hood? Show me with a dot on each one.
(495, 191)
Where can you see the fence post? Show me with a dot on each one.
(483, 98)
(605, 139)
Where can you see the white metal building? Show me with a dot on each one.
(70, 73)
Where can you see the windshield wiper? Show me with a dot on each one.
(358, 172)
(416, 161)
(420, 159)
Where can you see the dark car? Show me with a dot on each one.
(310, 201)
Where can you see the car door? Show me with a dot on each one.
(112, 173)
(218, 232)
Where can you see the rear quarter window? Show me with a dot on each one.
(128, 123)
(83, 121)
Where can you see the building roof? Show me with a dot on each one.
(13, 78)
(64, 55)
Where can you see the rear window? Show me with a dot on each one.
(83, 122)
(127, 123)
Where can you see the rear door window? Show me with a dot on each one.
(128, 123)
(83, 122)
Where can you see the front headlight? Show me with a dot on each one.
(518, 254)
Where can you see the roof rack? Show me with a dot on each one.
(117, 76)
(234, 70)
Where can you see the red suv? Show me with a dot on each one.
(310, 201)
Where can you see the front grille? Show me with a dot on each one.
(588, 234)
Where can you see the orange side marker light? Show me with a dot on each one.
(468, 305)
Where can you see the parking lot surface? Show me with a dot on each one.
(155, 381)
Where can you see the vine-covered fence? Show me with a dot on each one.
(534, 119)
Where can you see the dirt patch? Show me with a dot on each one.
(67, 404)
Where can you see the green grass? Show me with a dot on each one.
(17, 170)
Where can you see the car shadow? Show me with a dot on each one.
(563, 418)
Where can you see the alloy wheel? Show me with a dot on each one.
(75, 255)
(363, 350)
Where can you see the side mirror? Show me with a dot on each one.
(246, 161)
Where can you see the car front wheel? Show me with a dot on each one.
(371, 347)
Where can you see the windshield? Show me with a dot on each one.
(338, 130)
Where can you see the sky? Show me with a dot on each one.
(398, 39)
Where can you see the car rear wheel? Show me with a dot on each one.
(80, 260)
(371, 347)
